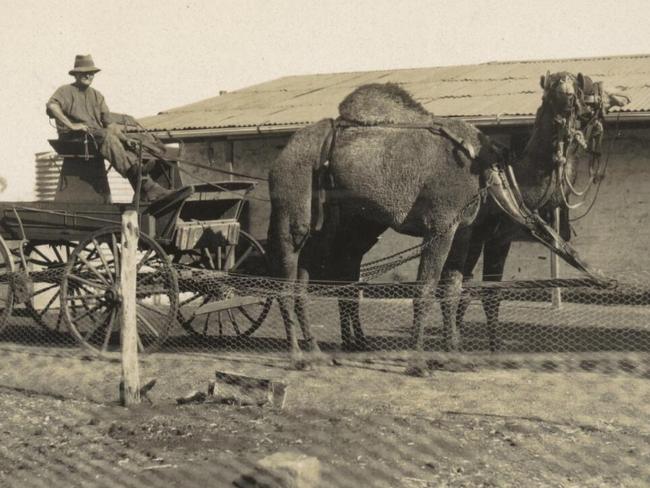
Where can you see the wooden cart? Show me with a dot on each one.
(59, 260)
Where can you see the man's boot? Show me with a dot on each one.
(149, 189)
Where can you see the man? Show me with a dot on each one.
(81, 111)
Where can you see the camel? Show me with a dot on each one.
(544, 171)
(394, 165)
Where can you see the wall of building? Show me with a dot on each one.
(252, 157)
(612, 236)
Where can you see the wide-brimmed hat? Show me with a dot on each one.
(83, 63)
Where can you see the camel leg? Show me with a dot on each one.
(473, 254)
(354, 239)
(300, 305)
(432, 260)
(284, 264)
(289, 325)
(494, 260)
(450, 287)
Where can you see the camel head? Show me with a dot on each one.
(568, 106)
(561, 92)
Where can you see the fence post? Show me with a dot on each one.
(130, 385)
(556, 293)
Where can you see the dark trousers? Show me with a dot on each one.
(111, 144)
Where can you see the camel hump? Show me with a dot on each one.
(382, 103)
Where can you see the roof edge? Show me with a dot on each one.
(482, 122)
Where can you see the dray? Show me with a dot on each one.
(60, 259)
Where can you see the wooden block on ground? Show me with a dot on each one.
(283, 470)
(249, 389)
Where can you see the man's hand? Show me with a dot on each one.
(131, 144)
(79, 127)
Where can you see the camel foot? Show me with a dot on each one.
(318, 357)
(301, 364)
(312, 346)
(298, 361)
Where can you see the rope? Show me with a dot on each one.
(600, 180)
(381, 266)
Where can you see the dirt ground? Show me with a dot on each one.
(368, 423)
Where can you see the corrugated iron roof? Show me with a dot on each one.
(482, 90)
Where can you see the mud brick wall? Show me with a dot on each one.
(614, 235)
(251, 157)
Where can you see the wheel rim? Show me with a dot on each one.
(6, 292)
(249, 259)
(45, 265)
(90, 292)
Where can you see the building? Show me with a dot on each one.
(243, 131)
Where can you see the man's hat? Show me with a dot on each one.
(83, 63)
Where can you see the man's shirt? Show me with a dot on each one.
(85, 105)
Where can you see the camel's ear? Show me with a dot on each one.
(545, 80)
(581, 81)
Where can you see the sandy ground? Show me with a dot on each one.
(468, 424)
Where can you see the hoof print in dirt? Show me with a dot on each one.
(301, 365)
(417, 370)
(282, 470)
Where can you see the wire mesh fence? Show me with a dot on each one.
(563, 390)
(182, 308)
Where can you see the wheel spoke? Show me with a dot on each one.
(103, 260)
(58, 254)
(91, 332)
(45, 289)
(49, 303)
(242, 258)
(46, 259)
(234, 323)
(140, 344)
(92, 268)
(107, 337)
(151, 309)
(144, 260)
(89, 283)
(146, 322)
(89, 311)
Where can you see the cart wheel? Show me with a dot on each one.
(235, 312)
(90, 292)
(45, 264)
(7, 269)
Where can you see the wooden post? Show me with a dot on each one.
(130, 385)
(556, 293)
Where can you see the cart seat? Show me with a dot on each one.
(83, 173)
(74, 148)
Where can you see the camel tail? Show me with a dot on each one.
(291, 182)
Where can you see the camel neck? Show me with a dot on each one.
(535, 167)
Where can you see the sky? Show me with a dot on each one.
(160, 54)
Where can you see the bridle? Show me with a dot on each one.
(589, 138)
(570, 129)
